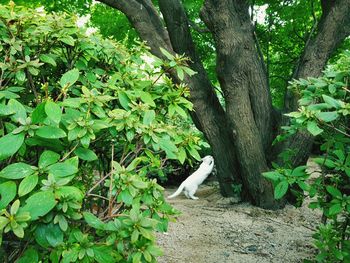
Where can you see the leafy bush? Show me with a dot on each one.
(324, 112)
(84, 125)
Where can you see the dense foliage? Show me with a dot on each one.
(84, 125)
(324, 112)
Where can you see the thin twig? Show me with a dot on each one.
(97, 184)
(110, 203)
(338, 130)
(99, 196)
(67, 154)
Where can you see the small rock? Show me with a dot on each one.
(270, 229)
(252, 248)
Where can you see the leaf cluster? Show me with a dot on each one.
(324, 110)
(85, 124)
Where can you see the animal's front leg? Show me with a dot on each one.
(191, 194)
(194, 197)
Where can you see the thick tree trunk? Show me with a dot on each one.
(244, 83)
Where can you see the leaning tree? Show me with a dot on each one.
(241, 132)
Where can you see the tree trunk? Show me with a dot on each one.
(244, 83)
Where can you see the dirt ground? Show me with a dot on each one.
(214, 229)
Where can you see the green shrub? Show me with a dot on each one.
(324, 112)
(84, 125)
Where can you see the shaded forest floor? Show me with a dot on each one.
(214, 229)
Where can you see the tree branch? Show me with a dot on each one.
(145, 19)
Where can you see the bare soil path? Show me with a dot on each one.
(214, 229)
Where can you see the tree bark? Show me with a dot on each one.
(244, 83)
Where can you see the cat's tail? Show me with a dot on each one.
(178, 191)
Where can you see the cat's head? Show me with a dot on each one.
(208, 159)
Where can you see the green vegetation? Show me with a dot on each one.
(85, 125)
(324, 112)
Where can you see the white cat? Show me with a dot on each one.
(190, 185)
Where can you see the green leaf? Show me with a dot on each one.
(149, 117)
(20, 76)
(334, 191)
(53, 111)
(147, 256)
(327, 162)
(72, 102)
(93, 221)
(126, 197)
(104, 254)
(133, 164)
(18, 231)
(194, 153)
(10, 144)
(68, 40)
(6, 110)
(3, 222)
(39, 114)
(313, 128)
(340, 154)
(136, 258)
(168, 146)
(8, 191)
(124, 100)
(299, 171)
(304, 186)
(59, 170)
(272, 175)
(181, 155)
(189, 71)
(69, 78)
(16, 171)
(40, 235)
(54, 235)
(332, 102)
(166, 53)
(62, 222)
(47, 158)
(85, 154)
(20, 112)
(71, 192)
(327, 116)
(39, 204)
(181, 111)
(147, 98)
(180, 73)
(29, 256)
(14, 207)
(335, 209)
(50, 132)
(27, 184)
(134, 236)
(48, 59)
(155, 251)
(281, 189)
(139, 184)
(146, 233)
